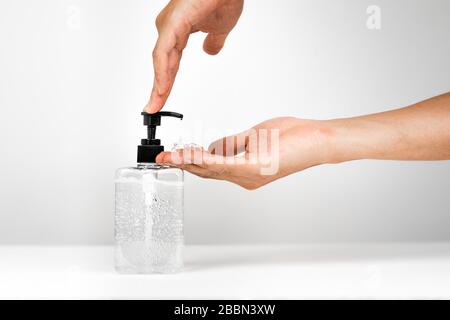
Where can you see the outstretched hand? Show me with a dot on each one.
(281, 146)
(175, 23)
(255, 157)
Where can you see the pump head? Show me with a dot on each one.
(151, 147)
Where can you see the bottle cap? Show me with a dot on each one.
(151, 147)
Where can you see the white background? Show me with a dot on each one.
(75, 75)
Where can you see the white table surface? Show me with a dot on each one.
(234, 272)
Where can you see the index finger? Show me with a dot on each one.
(162, 79)
(172, 39)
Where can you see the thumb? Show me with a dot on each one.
(214, 43)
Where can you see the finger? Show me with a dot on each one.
(160, 158)
(214, 166)
(174, 64)
(214, 43)
(183, 157)
(211, 171)
(198, 171)
(173, 38)
(170, 158)
(231, 145)
(161, 81)
(157, 101)
(163, 48)
(166, 60)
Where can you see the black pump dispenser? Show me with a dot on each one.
(151, 147)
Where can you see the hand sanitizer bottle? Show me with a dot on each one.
(149, 209)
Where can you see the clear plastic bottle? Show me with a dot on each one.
(149, 210)
(149, 219)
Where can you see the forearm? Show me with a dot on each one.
(417, 132)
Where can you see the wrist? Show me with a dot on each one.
(347, 140)
(339, 141)
(325, 134)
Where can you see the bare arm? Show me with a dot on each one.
(417, 132)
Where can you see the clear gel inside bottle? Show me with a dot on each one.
(149, 209)
(149, 219)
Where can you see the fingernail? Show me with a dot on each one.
(147, 108)
(159, 158)
(151, 106)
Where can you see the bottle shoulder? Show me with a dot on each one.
(158, 171)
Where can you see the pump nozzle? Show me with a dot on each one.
(151, 147)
